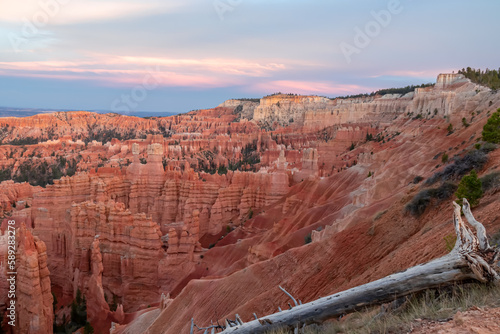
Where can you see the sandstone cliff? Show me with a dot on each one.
(451, 92)
(212, 202)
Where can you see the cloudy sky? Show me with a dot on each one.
(175, 56)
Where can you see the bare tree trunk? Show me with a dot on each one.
(472, 258)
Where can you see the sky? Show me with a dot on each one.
(177, 56)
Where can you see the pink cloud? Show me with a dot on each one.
(215, 65)
(129, 71)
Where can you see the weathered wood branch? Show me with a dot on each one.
(289, 295)
(471, 258)
(480, 230)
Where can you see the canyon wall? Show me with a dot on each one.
(216, 200)
(451, 92)
(143, 216)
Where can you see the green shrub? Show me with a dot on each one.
(106, 135)
(22, 141)
(491, 130)
(308, 239)
(222, 170)
(444, 158)
(464, 122)
(490, 181)
(417, 179)
(249, 161)
(461, 166)
(41, 174)
(79, 310)
(5, 174)
(88, 329)
(470, 187)
(417, 206)
(450, 128)
(488, 147)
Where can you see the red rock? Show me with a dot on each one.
(97, 307)
(34, 298)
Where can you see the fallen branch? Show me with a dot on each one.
(289, 295)
(471, 258)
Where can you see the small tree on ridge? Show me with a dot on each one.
(470, 187)
(491, 130)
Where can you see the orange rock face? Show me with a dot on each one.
(97, 307)
(33, 297)
(125, 258)
(219, 203)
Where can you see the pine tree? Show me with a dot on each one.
(470, 187)
(88, 329)
(491, 130)
(450, 128)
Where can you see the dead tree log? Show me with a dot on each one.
(471, 258)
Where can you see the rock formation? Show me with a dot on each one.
(286, 109)
(130, 246)
(97, 307)
(34, 297)
(222, 201)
